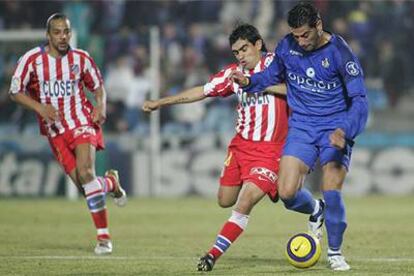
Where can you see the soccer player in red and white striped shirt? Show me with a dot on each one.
(50, 80)
(252, 163)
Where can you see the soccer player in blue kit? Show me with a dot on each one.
(327, 96)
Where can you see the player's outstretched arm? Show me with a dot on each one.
(279, 89)
(47, 112)
(258, 82)
(191, 95)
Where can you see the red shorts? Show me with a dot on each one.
(256, 162)
(63, 145)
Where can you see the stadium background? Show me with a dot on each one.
(180, 152)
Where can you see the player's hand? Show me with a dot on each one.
(49, 113)
(239, 77)
(149, 106)
(99, 114)
(337, 138)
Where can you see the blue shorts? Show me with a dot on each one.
(309, 139)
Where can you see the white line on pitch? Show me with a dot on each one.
(170, 258)
(93, 258)
(384, 259)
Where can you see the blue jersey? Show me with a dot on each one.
(320, 83)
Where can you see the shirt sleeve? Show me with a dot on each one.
(220, 85)
(273, 74)
(92, 76)
(21, 75)
(350, 70)
(352, 74)
(357, 116)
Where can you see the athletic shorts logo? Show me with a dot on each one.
(264, 174)
(352, 68)
(84, 131)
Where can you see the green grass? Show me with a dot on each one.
(165, 237)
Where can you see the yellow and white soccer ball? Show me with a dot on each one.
(303, 250)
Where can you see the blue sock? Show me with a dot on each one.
(302, 202)
(335, 220)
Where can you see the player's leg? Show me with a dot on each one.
(295, 197)
(249, 195)
(66, 158)
(292, 174)
(230, 180)
(332, 181)
(227, 195)
(95, 195)
(230, 186)
(334, 168)
(256, 170)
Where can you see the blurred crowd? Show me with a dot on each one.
(194, 44)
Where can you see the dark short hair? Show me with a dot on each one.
(54, 16)
(302, 14)
(248, 32)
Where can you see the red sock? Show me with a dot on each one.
(231, 230)
(108, 183)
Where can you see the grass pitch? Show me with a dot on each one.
(166, 236)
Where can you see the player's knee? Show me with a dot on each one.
(225, 202)
(85, 174)
(286, 193)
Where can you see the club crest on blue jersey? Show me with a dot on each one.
(325, 63)
(352, 68)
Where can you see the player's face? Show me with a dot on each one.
(246, 53)
(308, 37)
(59, 35)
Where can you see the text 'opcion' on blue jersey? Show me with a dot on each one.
(321, 84)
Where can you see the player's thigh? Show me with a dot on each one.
(230, 180)
(333, 176)
(85, 162)
(249, 196)
(227, 195)
(301, 143)
(292, 174)
(63, 154)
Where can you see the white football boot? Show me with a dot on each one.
(316, 221)
(103, 247)
(119, 195)
(338, 263)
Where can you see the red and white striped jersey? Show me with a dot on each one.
(261, 116)
(59, 82)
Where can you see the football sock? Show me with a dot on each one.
(334, 252)
(335, 220)
(95, 198)
(302, 202)
(107, 182)
(229, 233)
